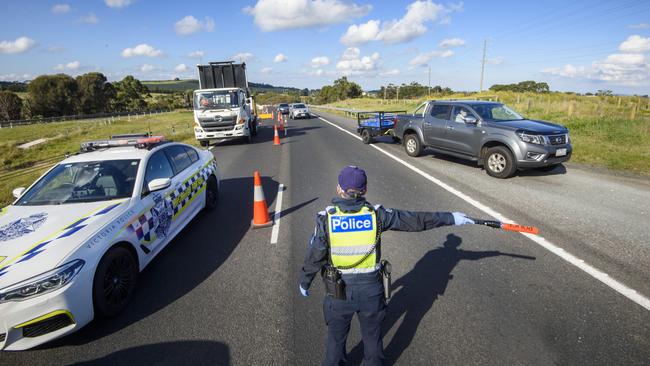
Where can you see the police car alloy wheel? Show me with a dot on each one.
(114, 282)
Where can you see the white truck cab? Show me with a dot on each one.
(222, 106)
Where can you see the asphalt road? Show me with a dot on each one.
(221, 293)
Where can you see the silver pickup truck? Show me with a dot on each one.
(489, 133)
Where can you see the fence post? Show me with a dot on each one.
(633, 111)
(529, 104)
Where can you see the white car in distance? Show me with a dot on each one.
(72, 244)
(298, 110)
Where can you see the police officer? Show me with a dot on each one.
(348, 237)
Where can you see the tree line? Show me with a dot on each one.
(91, 93)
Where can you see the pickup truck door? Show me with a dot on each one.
(462, 137)
(434, 123)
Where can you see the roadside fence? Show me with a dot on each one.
(83, 117)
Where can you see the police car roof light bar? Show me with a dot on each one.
(138, 141)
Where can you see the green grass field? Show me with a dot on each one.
(65, 137)
(602, 129)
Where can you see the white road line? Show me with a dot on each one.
(592, 271)
(276, 216)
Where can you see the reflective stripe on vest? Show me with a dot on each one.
(351, 236)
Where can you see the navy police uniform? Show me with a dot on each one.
(344, 233)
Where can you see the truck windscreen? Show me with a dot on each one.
(220, 99)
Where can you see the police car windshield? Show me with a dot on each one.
(83, 182)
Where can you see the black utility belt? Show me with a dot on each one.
(335, 285)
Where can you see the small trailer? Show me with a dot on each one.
(376, 124)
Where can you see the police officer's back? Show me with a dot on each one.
(346, 247)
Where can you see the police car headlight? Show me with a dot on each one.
(43, 283)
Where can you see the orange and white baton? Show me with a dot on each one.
(506, 226)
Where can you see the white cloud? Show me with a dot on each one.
(410, 26)
(196, 54)
(21, 44)
(635, 44)
(190, 25)
(89, 19)
(319, 61)
(272, 15)
(181, 68)
(60, 8)
(15, 77)
(495, 60)
(640, 26)
(266, 70)
(391, 72)
(452, 42)
(623, 69)
(424, 58)
(362, 33)
(147, 68)
(71, 66)
(117, 3)
(352, 63)
(243, 56)
(280, 58)
(142, 49)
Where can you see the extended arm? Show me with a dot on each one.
(402, 220)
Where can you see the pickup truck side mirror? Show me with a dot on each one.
(471, 120)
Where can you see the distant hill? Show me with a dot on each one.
(14, 86)
(167, 86)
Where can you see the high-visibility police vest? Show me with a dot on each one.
(351, 237)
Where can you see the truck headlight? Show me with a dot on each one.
(531, 139)
(240, 121)
(43, 283)
(198, 130)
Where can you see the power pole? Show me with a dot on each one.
(483, 63)
(429, 90)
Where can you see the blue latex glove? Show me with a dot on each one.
(461, 219)
(304, 292)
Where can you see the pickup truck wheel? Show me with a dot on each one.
(412, 145)
(499, 162)
(365, 137)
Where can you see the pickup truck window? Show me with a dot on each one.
(440, 111)
(460, 114)
(496, 113)
(420, 109)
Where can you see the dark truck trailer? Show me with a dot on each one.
(226, 74)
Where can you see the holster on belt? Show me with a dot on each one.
(385, 271)
(334, 284)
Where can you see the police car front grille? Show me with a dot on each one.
(48, 325)
(2, 337)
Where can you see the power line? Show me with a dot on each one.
(483, 63)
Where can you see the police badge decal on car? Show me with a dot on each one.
(22, 226)
(162, 213)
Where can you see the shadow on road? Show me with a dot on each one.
(191, 258)
(416, 292)
(169, 353)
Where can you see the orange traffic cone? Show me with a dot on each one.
(261, 216)
(276, 137)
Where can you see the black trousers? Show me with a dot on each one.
(367, 301)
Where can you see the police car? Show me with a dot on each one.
(72, 244)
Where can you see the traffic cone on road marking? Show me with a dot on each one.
(276, 137)
(261, 216)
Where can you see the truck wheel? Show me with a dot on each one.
(499, 162)
(365, 137)
(412, 145)
(114, 282)
(205, 143)
(253, 127)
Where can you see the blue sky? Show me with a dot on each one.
(582, 45)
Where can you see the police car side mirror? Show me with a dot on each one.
(18, 192)
(158, 184)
